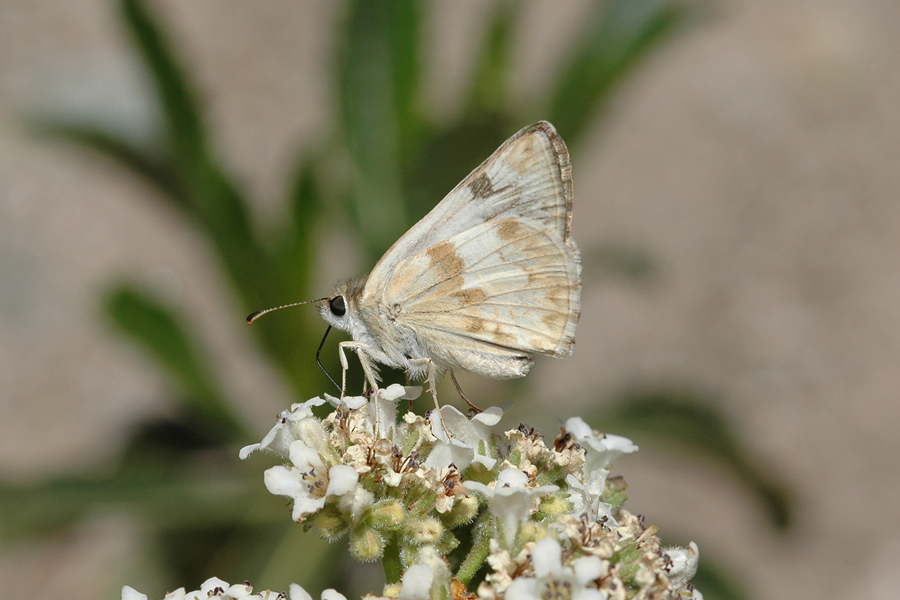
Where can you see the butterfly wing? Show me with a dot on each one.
(491, 273)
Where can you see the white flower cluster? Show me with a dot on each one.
(216, 589)
(547, 519)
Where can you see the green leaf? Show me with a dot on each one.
(715, 583)
(141, 162)
(623, 32)
(489, 87)
(215, 200)
(161, 334)
(379, 87)
(295, 249)
(301, 557)
(181, 110)
(686, 419)
(447, 156)
(169, 500)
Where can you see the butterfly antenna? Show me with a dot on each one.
(319, 362)
(254, 316)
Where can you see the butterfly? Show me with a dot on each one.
(486, 279)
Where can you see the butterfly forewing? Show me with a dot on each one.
(528, 178)
(491, 274)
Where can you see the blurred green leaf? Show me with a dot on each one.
(489, 86)
(159, 333)
(448, 155)
(623, 259)
(167, 499)
(684, 418)
(181, 110)
(212, 196)
(294, 250)
(714, 583)
(623, 32)
(379, 86)
(301, 557)
(141, 162)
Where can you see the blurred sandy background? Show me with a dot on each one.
(754, 159)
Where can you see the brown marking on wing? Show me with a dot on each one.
(554, 321)
(474, 324)
(509, 229)
(501, 337)
(481, 187)
(559, 297)
(470, 296)
(444, 254)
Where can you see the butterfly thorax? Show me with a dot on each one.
(374, 325)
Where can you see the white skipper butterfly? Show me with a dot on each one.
(487, 278)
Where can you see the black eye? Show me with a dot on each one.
(337, 306)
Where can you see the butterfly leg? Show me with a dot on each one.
(432, 388)
(459, 391)
(367, 367)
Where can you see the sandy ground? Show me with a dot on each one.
(754, 159)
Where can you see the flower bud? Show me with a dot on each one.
(554, 506)
(366, 544)
(427, 531)
(463, 511)
(330, 524)
(386, 515)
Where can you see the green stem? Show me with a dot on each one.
(481, 547)
(393, 569)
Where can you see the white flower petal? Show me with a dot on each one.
(446, 453)
(296, 592)
(331, 594)
(600, 451)
(354, 402)
(129, 593)
(511, 499)
(412, 392)
(512, 477)
(578, 428)
(248, 450)
(489, 417)
(487, 461)
(239, 590)
(305, 457)
(356, 502)
(587, 568)
(417, 583)
(393, 392)
(303, 410)
(522, 588)
(547, 557)
(282, 481)
(617, 443)
(213, 583)
(684, 563)
(341, 479)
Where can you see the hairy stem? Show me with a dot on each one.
(481, 545)
(390, 561)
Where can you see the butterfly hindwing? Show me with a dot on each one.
(502, 284)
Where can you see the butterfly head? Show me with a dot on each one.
(340, 309)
